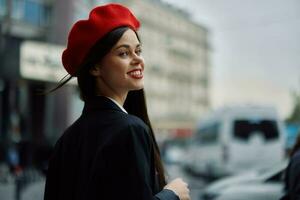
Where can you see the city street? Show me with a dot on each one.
(210, 90)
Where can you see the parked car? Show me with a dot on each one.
(264, 184)
(173, 150)
(235, 139)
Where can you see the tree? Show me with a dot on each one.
(294, 118)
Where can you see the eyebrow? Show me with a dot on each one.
(127, 46)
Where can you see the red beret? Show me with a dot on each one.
(85, 33)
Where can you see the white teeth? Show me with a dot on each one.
(136, 73)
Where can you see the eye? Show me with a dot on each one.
(124, 54)
(138, 51)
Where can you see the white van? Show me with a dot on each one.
(235, 139)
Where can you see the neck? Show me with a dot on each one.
(104, 89)
(118, 98)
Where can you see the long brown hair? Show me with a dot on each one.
(135, 102)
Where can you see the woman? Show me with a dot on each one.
(110, 152)
(292, 174)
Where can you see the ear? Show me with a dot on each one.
(95, 70)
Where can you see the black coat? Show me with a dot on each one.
(106, 154)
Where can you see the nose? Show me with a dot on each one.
(137, 59)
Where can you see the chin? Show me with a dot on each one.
(138, 87)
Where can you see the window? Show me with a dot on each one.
(30, 11)
(208, 134)
(244, 129)
(36, 13)
(2, 7)
(17, 9)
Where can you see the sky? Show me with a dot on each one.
(255, 57)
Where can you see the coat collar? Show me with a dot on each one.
(100, 103)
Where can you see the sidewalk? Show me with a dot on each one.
(31, 184)
(34, 191)
(7, 191)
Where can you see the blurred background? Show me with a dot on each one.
(222, 85)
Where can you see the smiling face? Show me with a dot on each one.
(121, 70)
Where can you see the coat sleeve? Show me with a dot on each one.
(123, 169)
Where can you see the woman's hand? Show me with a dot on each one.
(180, 188)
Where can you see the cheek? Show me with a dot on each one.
(120, 68)
(115, 74)
(114, 70)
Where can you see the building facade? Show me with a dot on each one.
(177, 54)
(32, 37)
